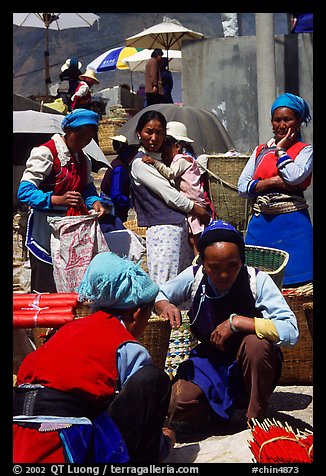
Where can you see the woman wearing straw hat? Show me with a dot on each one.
(83, 96)
(91, 393)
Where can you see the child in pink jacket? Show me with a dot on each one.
(183, 170)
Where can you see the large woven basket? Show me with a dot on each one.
(223, 173)
(271, 260)
(106, 129)
(298, 360)
(156, 339)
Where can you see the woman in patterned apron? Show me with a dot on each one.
(57, 178)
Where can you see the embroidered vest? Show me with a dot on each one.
(266, 162)
(72, 176)
(80, 358)
(150, 208)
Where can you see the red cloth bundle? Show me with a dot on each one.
(44, 300)
(274, 443)
(55, 317)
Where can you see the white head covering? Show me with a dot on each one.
(177, 130)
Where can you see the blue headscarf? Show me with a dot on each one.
(220, 230)
(296, 103)
(118, 283)
(80, 117)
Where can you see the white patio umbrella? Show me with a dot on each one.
(167, 35)
(137, 62)
(53, 21)
(34, 122)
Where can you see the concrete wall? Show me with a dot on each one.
(219, 74)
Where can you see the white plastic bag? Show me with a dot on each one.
(75, 240)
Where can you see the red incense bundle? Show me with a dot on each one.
(274, 443)
(44, 299)
(56, 317)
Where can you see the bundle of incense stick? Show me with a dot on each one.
(274, 443)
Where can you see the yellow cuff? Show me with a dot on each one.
(265, 328)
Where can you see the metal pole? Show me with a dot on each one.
(46, 62)
(266, 81)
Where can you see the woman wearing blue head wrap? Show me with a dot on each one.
(57, 181)
(240, 319)
(99, 398)
(275, 178)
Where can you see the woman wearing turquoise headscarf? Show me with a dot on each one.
(275, 177)
(91, 394)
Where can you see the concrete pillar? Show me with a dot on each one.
(266, 82)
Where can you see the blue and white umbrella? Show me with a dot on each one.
(112, 59)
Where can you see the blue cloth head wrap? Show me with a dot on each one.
(220, 230)
(80, 117)
(296, 103)
(115, 282)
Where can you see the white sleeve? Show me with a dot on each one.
(38, 165)
(296, 171)
(144, 174)
(174, 170)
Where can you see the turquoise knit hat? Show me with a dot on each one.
(112, 281)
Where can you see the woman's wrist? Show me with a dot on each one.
(280, 151)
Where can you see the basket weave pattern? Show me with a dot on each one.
(271, 260)
(228, 204)
(298, 360)
(156, 339)
(107, 128)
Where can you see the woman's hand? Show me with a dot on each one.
(69, 199)
(220, 334)
(201, 213)
(98, 207)
(287, 140)
(169, 311)
(148, 160)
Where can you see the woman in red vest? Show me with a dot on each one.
(275, 177)
(83, 95)
(91, 394)
(57, 179)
